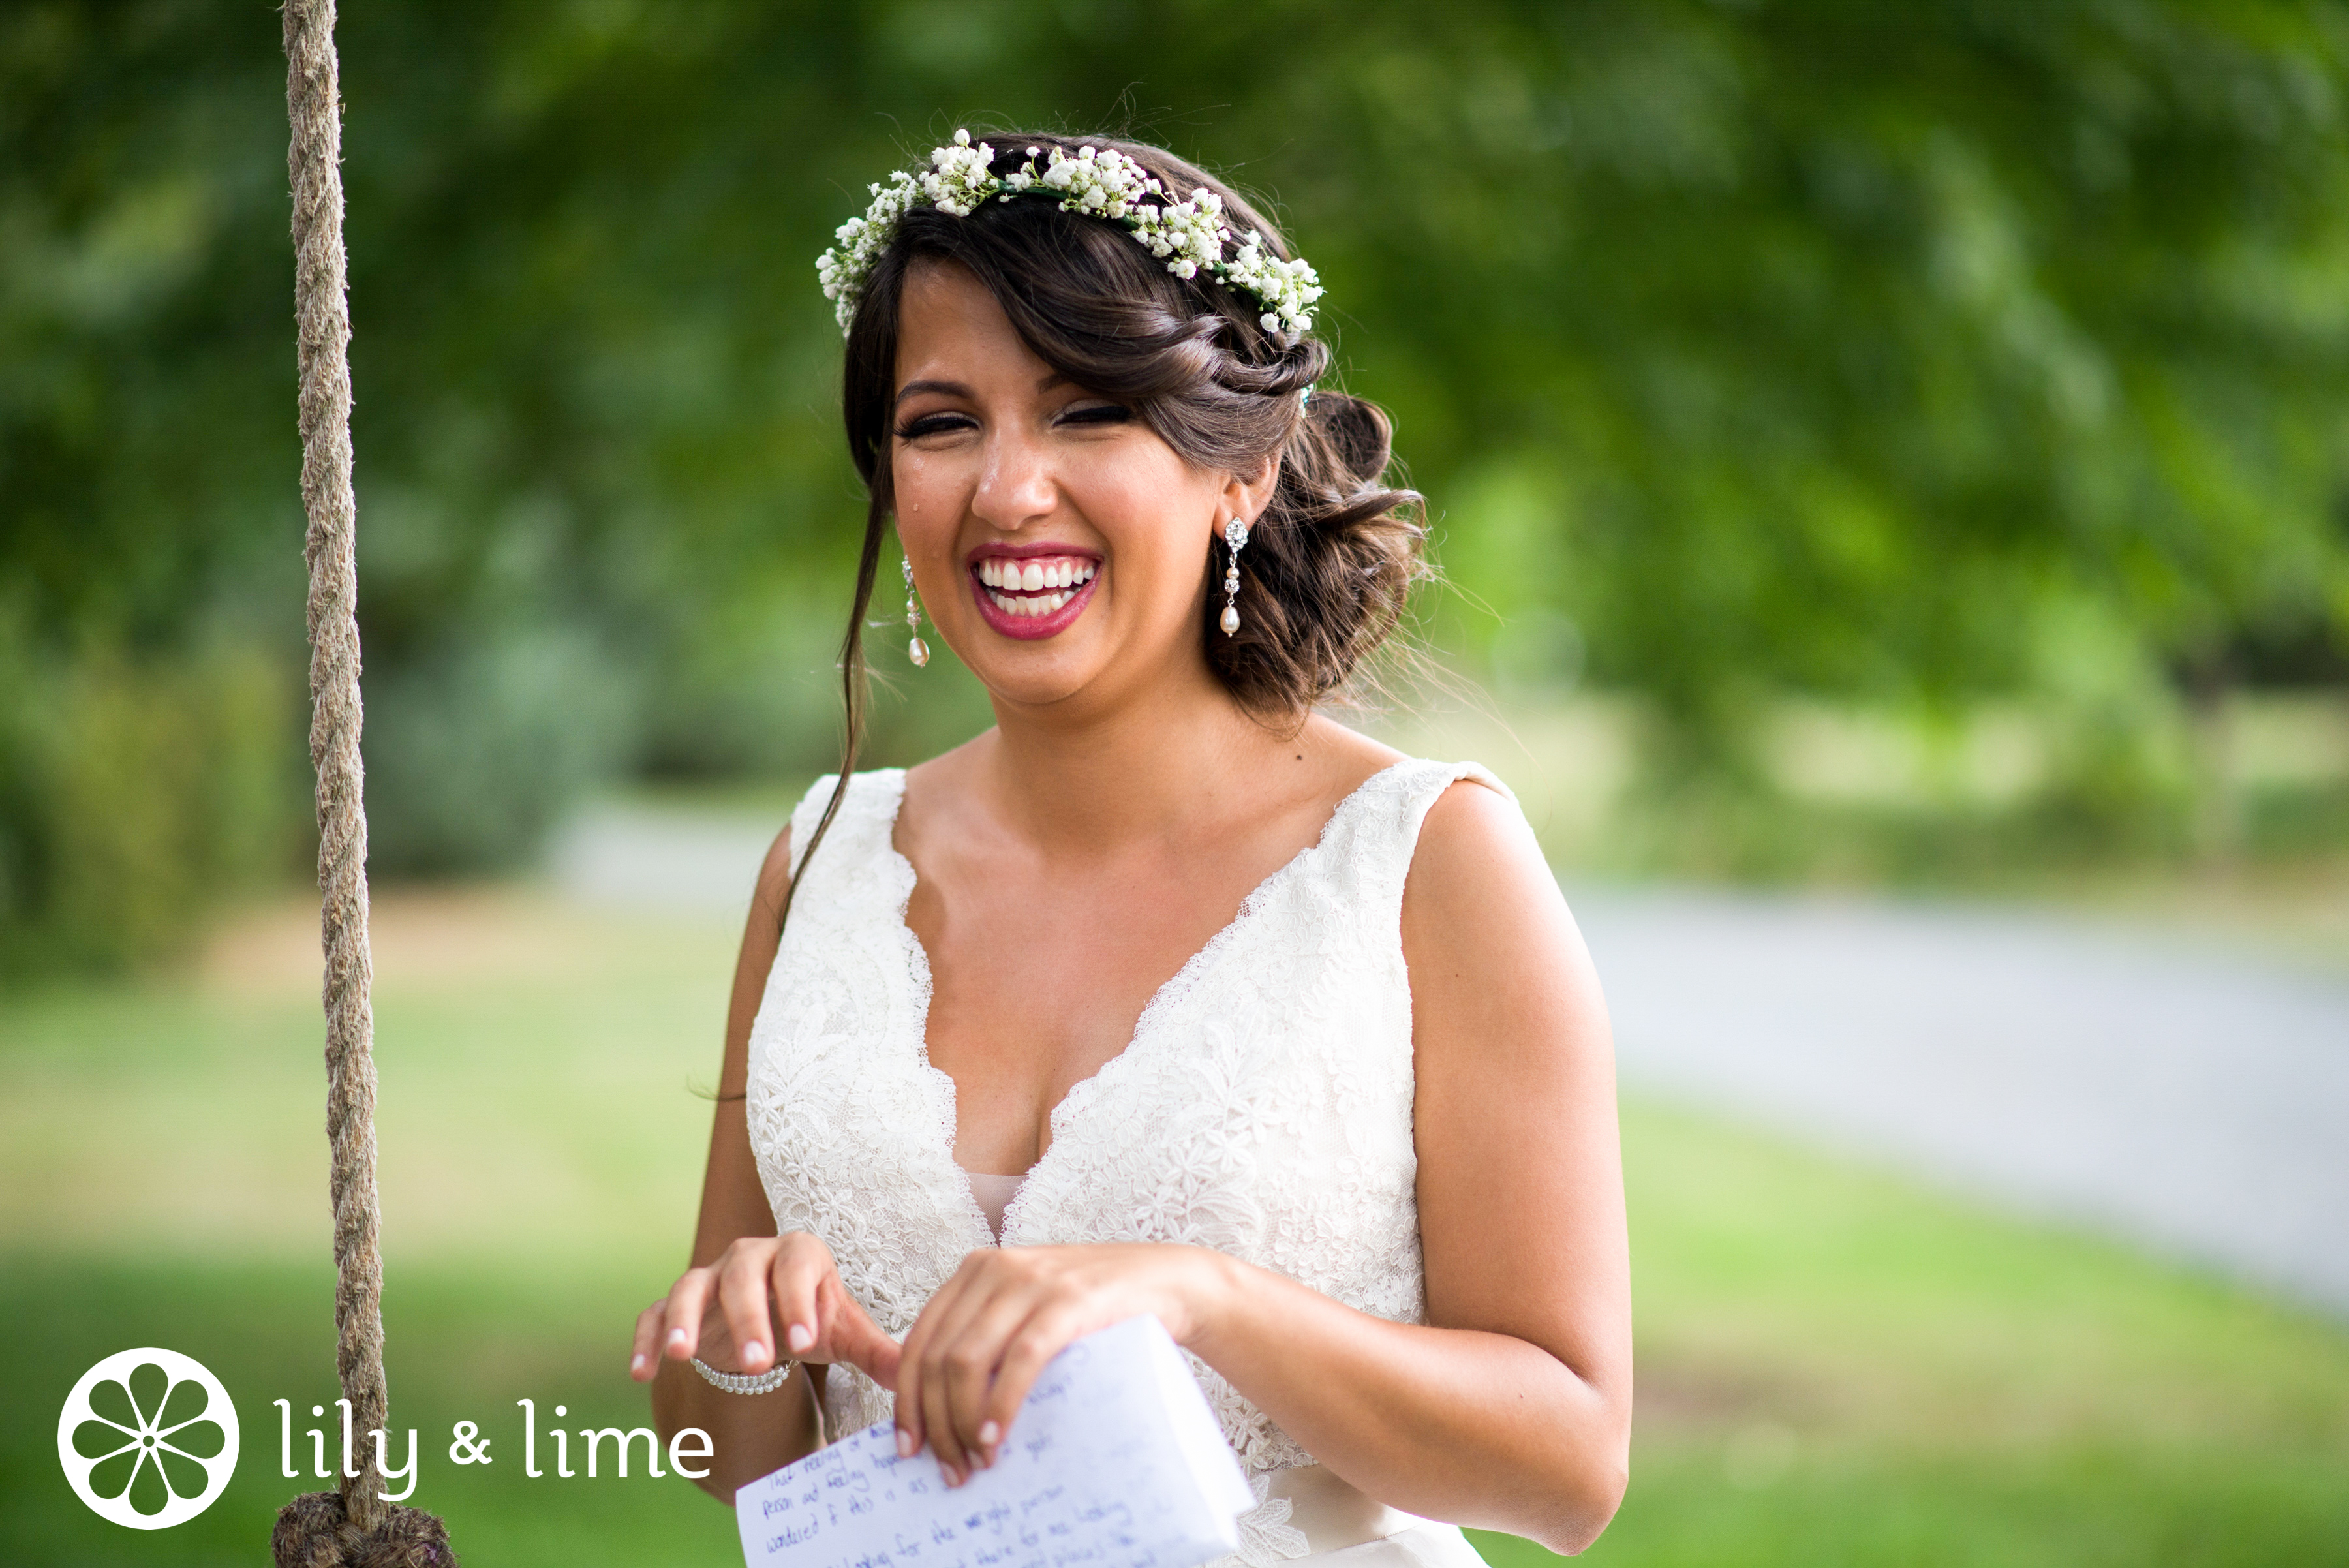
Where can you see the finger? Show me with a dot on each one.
(681, 1324)
(937, 1414)
(798, 1275)
(644, 1347)
(850, 1335)
(1050, 1329)
(907, 1383)
(956, 1356)
(743, 1298)
(973, 1364)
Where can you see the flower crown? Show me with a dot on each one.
(1190, 236)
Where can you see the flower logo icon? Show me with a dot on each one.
(147, 1438)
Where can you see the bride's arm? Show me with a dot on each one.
(736, 1256)
(1512, 1409)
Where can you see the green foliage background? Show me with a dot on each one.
(1900, 353)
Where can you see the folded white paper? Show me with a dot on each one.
(1114, 1461)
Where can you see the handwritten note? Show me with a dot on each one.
(1113, 1462)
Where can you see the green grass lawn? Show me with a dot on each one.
(1835, 1366)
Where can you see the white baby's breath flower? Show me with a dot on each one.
(1189, 235)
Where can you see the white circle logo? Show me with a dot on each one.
(147, 1438)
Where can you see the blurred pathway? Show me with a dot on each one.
(2195, 1102)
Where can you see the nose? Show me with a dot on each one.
(1016, 486)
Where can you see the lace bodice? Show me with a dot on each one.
(1263, 1106)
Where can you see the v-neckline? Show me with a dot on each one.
(1174, 986)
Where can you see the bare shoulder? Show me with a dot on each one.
(1486, 932)
(1474, 845)
(1345, 755)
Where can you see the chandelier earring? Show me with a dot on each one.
(1235, 535)
(915, 649)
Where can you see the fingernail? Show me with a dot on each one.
(990, 1433)
(905, 1444)
(637, 1362)
(676, 1337)
(798, 1336)
(754, 1350)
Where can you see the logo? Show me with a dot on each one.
(147, 1438)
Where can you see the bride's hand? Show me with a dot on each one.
(759, 1289)
(981, 1342)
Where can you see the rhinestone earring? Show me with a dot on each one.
(915, 649)
(1235, 536)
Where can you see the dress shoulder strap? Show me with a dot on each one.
(860, 830)
(1371, 840)
(1420, 785)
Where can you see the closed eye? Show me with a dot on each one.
(1096, 415)
(934, 424)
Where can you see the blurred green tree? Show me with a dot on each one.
(1743, 347)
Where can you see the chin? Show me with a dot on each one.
(1036, 678)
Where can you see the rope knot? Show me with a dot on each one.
(314, 1531)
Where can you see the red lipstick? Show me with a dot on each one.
(1032, 591)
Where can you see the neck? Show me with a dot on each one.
(1172, 758)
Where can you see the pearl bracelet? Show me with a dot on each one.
(765, 1382)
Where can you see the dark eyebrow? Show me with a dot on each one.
(951, 388)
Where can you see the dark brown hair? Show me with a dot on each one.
(1329, 563)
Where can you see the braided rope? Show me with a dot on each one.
(319, 1529)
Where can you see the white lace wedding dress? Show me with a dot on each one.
(1263, 1107)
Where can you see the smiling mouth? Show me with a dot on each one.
(1034, 587)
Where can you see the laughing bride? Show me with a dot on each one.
(1167, 995)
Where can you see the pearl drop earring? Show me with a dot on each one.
(1235, 536)
(915, 649)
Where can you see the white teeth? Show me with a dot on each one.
(1036, 575)
(1044, 585)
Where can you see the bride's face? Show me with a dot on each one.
(1059, 543)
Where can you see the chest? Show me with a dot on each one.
(1271, 1075)
(1262, 1107)
(1040, 976)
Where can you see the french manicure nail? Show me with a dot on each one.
(798, 1336)
(637, 1362)
(990, 1433)
(905, 1444)
(676, 1337)
(754, 1350)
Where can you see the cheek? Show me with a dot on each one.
(924, 485)
(1156, 525)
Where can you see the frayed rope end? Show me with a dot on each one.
(313, 1532)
